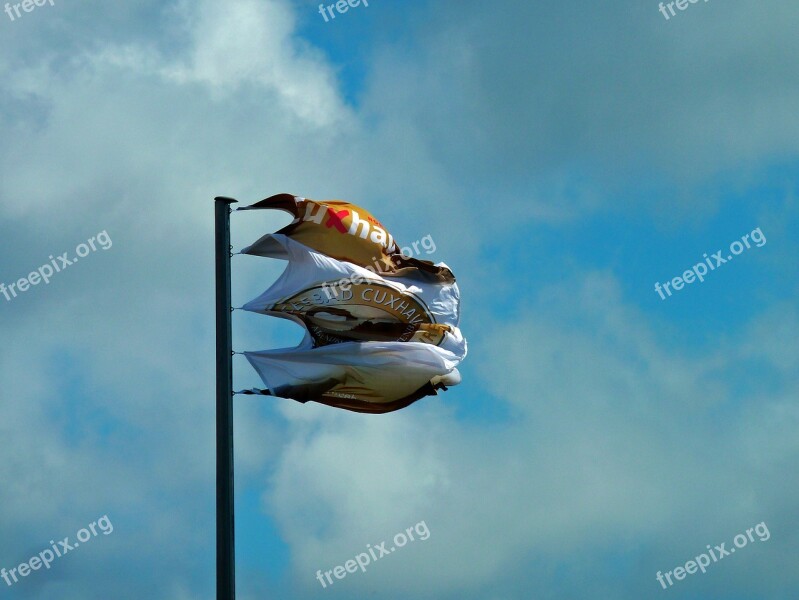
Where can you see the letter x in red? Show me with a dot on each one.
(335, 219)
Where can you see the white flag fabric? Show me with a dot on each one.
(371, 377)
(338, 301)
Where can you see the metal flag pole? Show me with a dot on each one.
(225, 529)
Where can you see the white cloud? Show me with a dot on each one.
(610, 441)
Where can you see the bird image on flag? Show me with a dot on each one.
(381, 328)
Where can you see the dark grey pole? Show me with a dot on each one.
(225, 522)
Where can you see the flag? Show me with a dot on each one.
(339, 301)
(342, 231)
(371, 377)
(381, 327)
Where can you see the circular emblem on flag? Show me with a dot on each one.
(370, 311)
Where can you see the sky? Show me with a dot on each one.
(565, 157)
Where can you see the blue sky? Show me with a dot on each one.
(563, 158)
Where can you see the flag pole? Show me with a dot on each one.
(225, 530)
